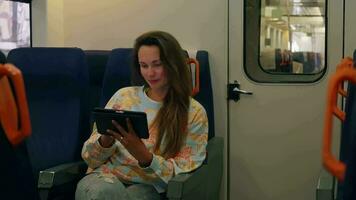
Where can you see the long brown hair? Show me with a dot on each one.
(172, 118)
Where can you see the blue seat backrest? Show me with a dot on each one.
(56, 81)
(96, 60)
(349, 133)
(205, 95)
(2, 58)
(118, 75)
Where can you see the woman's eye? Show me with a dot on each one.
(157, 64)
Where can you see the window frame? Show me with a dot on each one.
(251, 62)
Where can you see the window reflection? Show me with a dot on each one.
(292, 36)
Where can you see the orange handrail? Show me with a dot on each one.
(197, 73)
(334, 166)
(346, 62)
(10, 110)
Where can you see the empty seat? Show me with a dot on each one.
(14, 128)
(57, 86)
(349, 129)
(343, 170)
(349, 190)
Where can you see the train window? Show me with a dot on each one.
(285, 40)
(15, 28)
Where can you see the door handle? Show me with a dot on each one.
(234, 91)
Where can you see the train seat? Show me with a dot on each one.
(204, 183)
(117, 73)
(311, 61)
(345, 169)
(96, 60)
(16, 171)
(349, 129)
(2, 58)
(56, 81)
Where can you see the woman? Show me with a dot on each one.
(127, 167)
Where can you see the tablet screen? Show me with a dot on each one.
(138, 120)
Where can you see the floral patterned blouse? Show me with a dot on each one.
(116, 161)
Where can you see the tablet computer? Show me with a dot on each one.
(103, 117)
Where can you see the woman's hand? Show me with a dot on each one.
(132, 143)
(116, 107)
(106, 141)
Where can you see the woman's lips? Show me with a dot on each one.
(153, 81)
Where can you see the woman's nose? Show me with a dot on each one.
(150, 71)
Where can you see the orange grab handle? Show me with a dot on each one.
(346, 62)
(334, 166)
(197, 75)
(9, 109)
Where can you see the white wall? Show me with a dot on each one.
(39, 23)
(47, 23)
(108, 24)
(350, 28)
(55, 14)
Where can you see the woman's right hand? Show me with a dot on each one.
(106, 141)
(116, 107)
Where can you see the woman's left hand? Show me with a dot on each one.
(132, 143)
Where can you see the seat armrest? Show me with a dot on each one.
(325, 187)
(186, 184)
(194, 185)
(61, 174)
(215, 148)
(215, 167)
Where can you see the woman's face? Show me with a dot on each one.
(151, 68)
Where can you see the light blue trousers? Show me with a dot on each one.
(93, 186)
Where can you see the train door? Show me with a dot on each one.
(275, 133)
